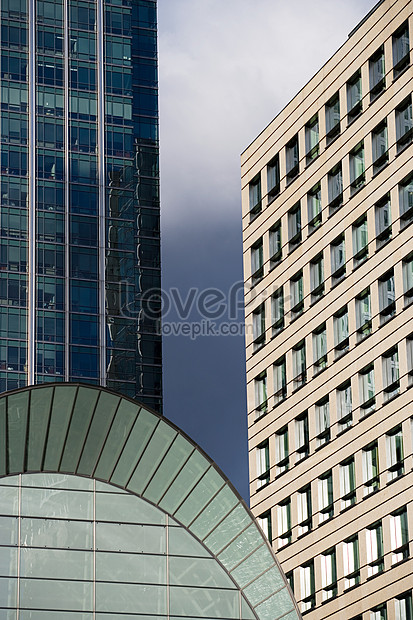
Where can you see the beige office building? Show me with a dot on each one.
(328, 256)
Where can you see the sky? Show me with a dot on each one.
(226, 68)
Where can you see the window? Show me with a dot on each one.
(284, 523)
(404, 608)
(363, 315)
(299, 365)
(335, 188)
(374, 544)
(263, 464)
(360, 241)
(325, 497)
(322, 413)
(404, 124)
(277, 311)
(379, 613)
(394, 453)
(340, 324)
(320, 348)
(379, 147)
(292, 159)
(370, 459)
(347, 483)
(275, 245)
(261, 394)
(357, 176)
(307, 586)
(391, 382)
(351, 562)
(273, 178)
(264, 521)
(409, 346)
(314, 207)
(401, 50)
(255, 197)
(290, 579)
(406, 201)
(383, 221)
(408, 279)
(257, 262)
(258, 325)
(280, 380)
(387, 297)
(312, 148)
(354, 97)
(281, 450)
(338, 259)
(304, 510)
(294, 227)
(332, 110)
(344, 406)
(367, 391)
(302, 437)
(317, 278)
(297, 295)
(329, 574)
(377, 74)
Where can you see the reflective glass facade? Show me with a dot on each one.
(79, 244)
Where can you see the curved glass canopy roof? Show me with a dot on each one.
(91, 432)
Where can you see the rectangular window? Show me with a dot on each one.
(406, 201)
(382, 214)
(351, 562)
(255, 196)
(357, 169)
(307, 586)
(409, 347)
(341, 334)
(263, 464)
(329, 574)
(294, 227)
(408, 279)
(380, 147)
(260, 384)
(290, 579)
(394, 453)
(360, 241)
(377, 74)
(391, 379)
(257, 262)
(325, 497)
(275, 245)
(264, 521)
(312, 147)
(344, 407)
(370, 459)
(302, 437)
(354, 97)
(374, 545)
(299, 365)
(297, 295)
(387, 297)
(317, 278)
(363, 315)
(277, 311)
(404, 124)
(347, 483)
(314, 207)
(258, 325)
(273, 178)
(332, 110)
(404, 607)
(367, 390)
(401, 50)
(379, 613)
(304, 510)
(338, 259)
(335, 188)
(322, 413)
(280, 380)
(292, 159)
(320, 348)
(284, 523)
(281, 450)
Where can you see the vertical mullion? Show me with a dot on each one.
(66, 182)
(31, 241)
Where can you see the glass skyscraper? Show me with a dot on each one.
(80, 245)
